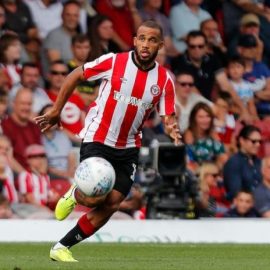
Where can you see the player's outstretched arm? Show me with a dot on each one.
(171, 128)
(52, 117)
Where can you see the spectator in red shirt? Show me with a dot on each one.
(19, 127)
(73, 115)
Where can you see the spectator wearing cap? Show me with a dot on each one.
(34, 183)
(233, 10)
(256, 73)
(249, 24)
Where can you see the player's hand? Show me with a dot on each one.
(48, 120)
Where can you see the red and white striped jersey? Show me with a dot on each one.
(9, 189)
(38, 185)
(126, 97)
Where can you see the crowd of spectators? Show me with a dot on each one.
(218, 54)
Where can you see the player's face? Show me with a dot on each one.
(147, 43)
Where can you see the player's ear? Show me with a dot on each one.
(161, 44)
(135, 41)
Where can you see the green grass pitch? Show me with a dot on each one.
(34, 256)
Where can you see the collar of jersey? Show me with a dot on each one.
(139, 67)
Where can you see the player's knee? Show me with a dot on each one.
(112, 207)
(94, 201)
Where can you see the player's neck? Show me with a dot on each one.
(144, 67)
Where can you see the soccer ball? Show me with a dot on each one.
(95, 176)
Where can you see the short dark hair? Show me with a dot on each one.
(184, 72)
(245, 190)
(226, 96)
(71, 2)
(80, 38)
(29, 64)
(59, 62)
(247, 130)
(44, 108)
(194, 34)
(153, 24)
(235, 59)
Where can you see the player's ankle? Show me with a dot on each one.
(58, 245)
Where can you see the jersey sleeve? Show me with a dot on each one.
(99, 68)
(167, 100)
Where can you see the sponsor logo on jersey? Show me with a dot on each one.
(132, 100)
(155, 90)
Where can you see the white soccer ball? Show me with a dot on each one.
(95, 176)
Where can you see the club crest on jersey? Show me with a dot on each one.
(155, 90)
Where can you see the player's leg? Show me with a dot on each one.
(86, 226)
(74, 196)
(124, 163)
(67, 203)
